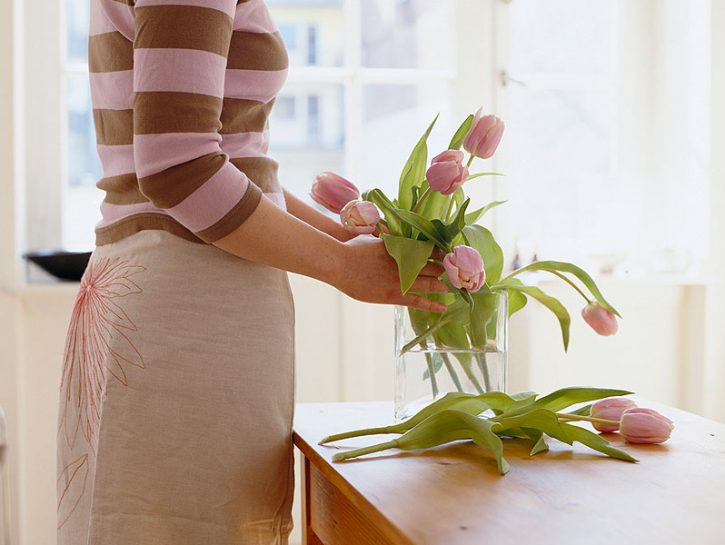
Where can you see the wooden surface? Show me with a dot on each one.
(453, 495)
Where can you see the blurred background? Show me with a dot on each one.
(614, 156)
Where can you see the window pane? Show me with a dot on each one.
(394, 118)
(84, 167)
(408, 34)
(307, 130)
(76, 22)
(573, 37)
(313, 30)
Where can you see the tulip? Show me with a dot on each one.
(447, 172)
(484, 136)
(600, 319)
(464, 266)
(333, 191)
(360, 217)
(645, 426)
(610, 408)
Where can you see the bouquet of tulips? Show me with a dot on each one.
(488, 418)
(431, 210)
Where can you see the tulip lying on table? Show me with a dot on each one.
(458, 416)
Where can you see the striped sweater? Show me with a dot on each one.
(181, 92)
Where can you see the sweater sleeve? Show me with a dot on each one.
(180, 57)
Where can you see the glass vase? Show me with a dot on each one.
(448, 360)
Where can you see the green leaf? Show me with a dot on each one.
(586, 410)
(535, 417)
(566, 397)
(457, 223)
(435, 205)
(423, 225)
(414, 170)
(596, 442)
(537, 436)
(483, 240)
(581, 274)
(476, 215)
(379, 199)
(461, 133)
(410, 255)
(517, 301)
(479, 174)
(485, 305)
(548, 301)
(437, 364)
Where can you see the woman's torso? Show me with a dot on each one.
(256, 68)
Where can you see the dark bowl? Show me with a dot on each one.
(60, 263)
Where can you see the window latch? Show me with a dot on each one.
(506, 79)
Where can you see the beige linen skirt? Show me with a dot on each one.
(177, 398)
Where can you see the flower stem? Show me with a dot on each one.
(354, 453)
(470, 161)
(572, 284)
(422, 199)
(450, 207)
(567, 416)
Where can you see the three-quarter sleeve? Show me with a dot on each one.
(180, 58)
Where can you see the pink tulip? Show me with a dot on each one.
(360, 217)
(484, 136)
(600, 319)
(465, 268)
(447, 172)
(333, 191)
(645, 426)
(610, 409)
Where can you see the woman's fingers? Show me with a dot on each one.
(432, 269)
(429, 284)
(420, 302)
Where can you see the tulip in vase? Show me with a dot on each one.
(462, 349)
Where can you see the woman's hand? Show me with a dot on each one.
(368, 273)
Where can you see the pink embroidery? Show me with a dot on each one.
(98, 343)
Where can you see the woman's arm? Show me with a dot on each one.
(303, 211)
(361, 267)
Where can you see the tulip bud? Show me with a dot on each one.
(484, 136)
(610, 409)
(447, 172)
(600, 319)
(333, 191)
(360, 217)
(464, 266)
(645, 426)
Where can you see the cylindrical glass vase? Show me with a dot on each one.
(467, 354)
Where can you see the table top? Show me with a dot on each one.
(453, 494)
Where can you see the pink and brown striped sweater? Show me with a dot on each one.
(181, 92)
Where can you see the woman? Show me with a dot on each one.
(177, 389)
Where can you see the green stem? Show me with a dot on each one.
(360, 433)
(450, 208)
(354, 453)
(452, 372)
(483, 366)
(431, 372)
(572, 284)
(423, 335)
(470, 161)
(567, 416)
(423, 197)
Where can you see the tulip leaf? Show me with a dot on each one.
(566, 397)
(581, 274)
(410, 255)
(379, 199)
(483, 240)
(540, 444)
(596, 442)
(485, 305)
(548, 301)
(457, 223)
(479, 174)
(586, 410)
(413, 172)
(517, 301)
(461, 133)
(423, 225)
(435, 205)
(535, 417)
(476, 215)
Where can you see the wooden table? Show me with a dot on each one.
(453, 495)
